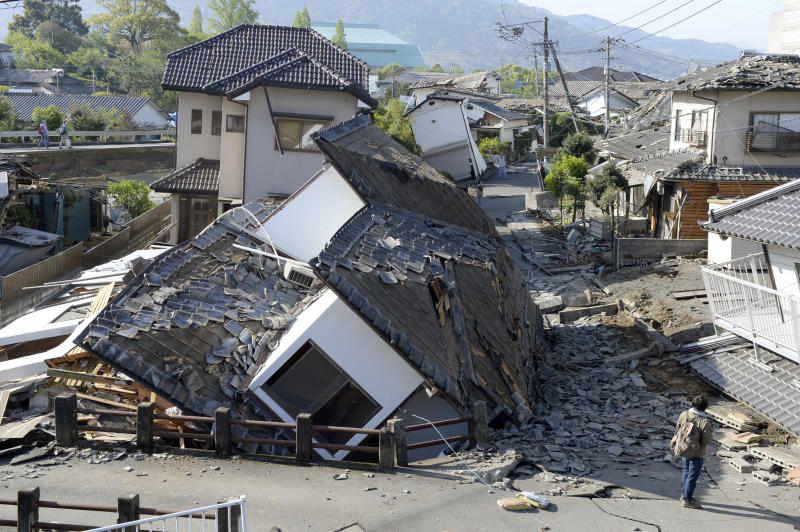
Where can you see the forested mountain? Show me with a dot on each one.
(463, 32)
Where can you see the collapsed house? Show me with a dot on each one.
(376, 290)
(757, 299)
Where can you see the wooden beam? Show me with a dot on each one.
(85, 377)
(105, 401)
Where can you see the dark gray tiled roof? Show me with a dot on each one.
(25, 103)
(474, 80)
(773, 393)
(200, 321)
(637, 145)
(298, 57)
(199, 178)
(383, 263)
(770, 217)
(778, 72)
(530, 106)
(742, 174)
(29, 78)
(498, 111)
(382, 170)
(632, 90)
(597, 73)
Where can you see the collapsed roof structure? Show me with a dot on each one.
(378, 286)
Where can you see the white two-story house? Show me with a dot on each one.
(734, 132)
(248, 101)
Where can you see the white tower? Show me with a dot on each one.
(784, 29)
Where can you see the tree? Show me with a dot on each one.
(493, 146)
(140, 75)
(59, 38)
(524, 82)
(136, 22)
(64, 13)
(339, 38)
(579, 145)
(86, 60)
(51, 115)
(610, 177)
(33, 53)
(566, 176)
(132, 196)
(301, 18)
(560, 126)
(390, 119)
(231, 13)
(9, 117)
(196, 26)
(392, 69)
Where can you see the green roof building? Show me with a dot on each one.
(374, 45)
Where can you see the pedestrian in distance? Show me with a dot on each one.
(692, 436)
(44, 138)
(63, 130)
(501, 166)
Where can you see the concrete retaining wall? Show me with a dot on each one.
(102, 160)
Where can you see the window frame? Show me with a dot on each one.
(776, 145)
(677, 136)
(228, 128)
(216, 123)
(196, 119)
(325, 122)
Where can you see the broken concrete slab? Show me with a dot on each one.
(570, 315)
(767, 478)
(582, 299)
(741, 465)
(785, 459)
(549, 305)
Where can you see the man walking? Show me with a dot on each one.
(44, 136)
(690, 443)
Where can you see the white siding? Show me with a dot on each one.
(267, 172)
(150, 114)
(355, 347)
(231, 165)
(191, 147)
(720, 250)
(784, 262)
(308, 220)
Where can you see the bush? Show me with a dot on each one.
(51, 115)
(579, 145)
(611, 178)
(132, 196)
(390, 119)
(83, 118)
(19, 214)
(493, 146)
(522, 143)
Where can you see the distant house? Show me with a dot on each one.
(442, 130)
(597, 74)
(374, 45)
(488, 119)
(249, 100)
(486, 82)
(624, 96)
(734, 132)
(144, 111)
(6, 56)
(53, 81)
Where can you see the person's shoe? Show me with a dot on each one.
(694, 505)
(681, 497)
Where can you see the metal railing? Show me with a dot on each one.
(742, 301)
(230, 516)
(694, 137)
(107, 134)
(772, 141)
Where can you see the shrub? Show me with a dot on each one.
(493, 146)
(51, 115)
(132, 196)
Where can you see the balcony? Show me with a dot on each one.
(742, 302)
(694, 137)
(772, 141)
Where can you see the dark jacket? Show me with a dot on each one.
(702, 423)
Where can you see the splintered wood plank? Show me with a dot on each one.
(688, 294)
(105, 401)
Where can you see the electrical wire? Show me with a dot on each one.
(676, 23)
(616, 23)
(654, 19)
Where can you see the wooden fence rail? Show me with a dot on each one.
(28, 504)
(392, 449)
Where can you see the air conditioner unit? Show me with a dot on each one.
(660, 188)
(300, 275)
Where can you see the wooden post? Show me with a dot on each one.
(303, 431)
(222, 432)
(66, 419)
(128, 510)
(397, 427)
(232, 514)
(28, 510)
(144, 427)
(479, 424)
(385, 450)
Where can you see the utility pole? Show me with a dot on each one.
(608, 83)
(566, 91)
(392, 80)
(545, 88)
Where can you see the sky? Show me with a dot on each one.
(744, 23)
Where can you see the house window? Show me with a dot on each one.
(197, 121)
(295, 134)
(234, 123)
(310, 382)
(216, 122)
(677, 137)
(774, 132)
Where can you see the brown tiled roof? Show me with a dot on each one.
(199, 178)
(277, 55)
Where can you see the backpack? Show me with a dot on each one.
(686, 441)
(41, 129)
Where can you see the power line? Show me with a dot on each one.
(654, 19)
(616, 23)
(676, 23)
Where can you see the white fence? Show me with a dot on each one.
(231, 516)
(742, 302)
